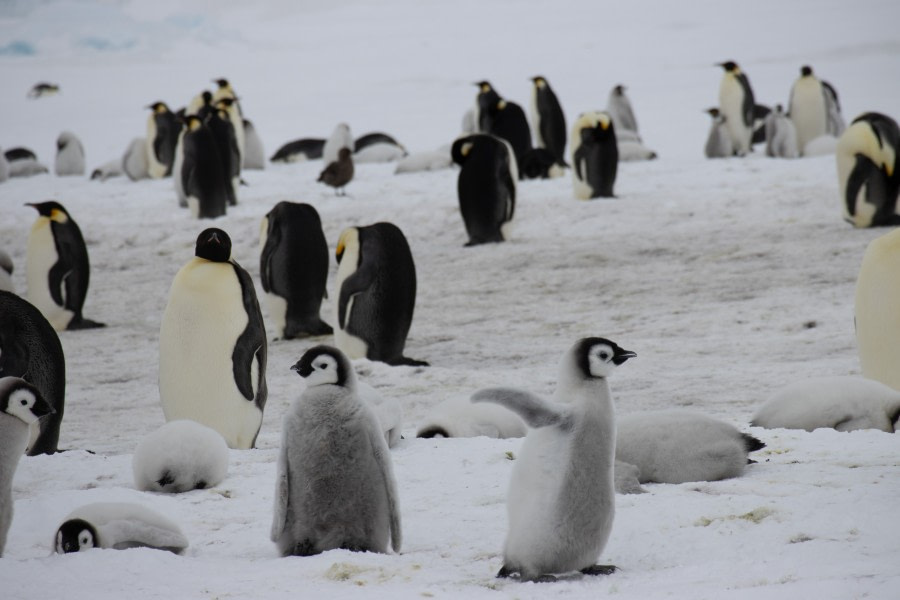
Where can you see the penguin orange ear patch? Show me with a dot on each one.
(466, 148)
(58, 216)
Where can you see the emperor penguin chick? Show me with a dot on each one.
(335, 485)
(561, 498)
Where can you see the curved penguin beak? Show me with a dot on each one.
(622, 355)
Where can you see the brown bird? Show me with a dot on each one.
(338, 173)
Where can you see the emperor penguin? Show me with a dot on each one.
(69, 155)
(736, 104)
(224, 92)
(548, 119)
(376, 283)
(486, 186)
(814, 109)
(781, 135)
(718, 142)
(299, 150)
(340, 138)
(678, 445)
(595, 156)
(163, 128)
(254, 156)
(561, 499)
(42, 89)
(136, 164)
(844, 403)
(504, 119)
(180, 456)
(21, 405)
(212, 345)
(868, 168)
(618, 106)
(876, 301)
(30, 349)
(204, 181)
(57, 270)
(222, 129)
(293, 267)
(335, 485)
(377, 147)
(118, 526)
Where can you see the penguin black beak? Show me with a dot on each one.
(622, 355)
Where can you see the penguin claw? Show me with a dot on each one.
(599, 570)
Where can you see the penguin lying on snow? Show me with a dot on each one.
(561, 497)
(459, 417)
(21, 405)
(676, 445)
(119, 526)
(42, 89)
(377, 147)
(335, 485)
(180, 456)
(299, 150)
(844, 403)
(387, 410)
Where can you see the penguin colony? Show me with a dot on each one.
(204, 149)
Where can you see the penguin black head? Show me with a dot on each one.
(619, 90)
(192, 122)
(729, 66)
(20, 399)
(214, 245)
(51, 209)
(75, 535)
(159, 107)
(597, 356)
(713, 112)
(323, 365)
(539, 81)
(484, 86)
(805, 71)
(221, 82)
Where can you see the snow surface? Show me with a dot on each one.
(729, 278)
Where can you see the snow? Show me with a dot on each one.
(729, 278)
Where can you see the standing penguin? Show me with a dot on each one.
(781, 135)
(30, 349)
(224, 92)
(162, 135)
(376, 282)
(486, 186)
(69, 155)
(736, 104)
(868, 167)
(561, 499)
(254, 156)
(222, 129)
(204, 181)
(595, 156)
(335, 486)
(212, 345)
(814, 109)
(21, 405)
(293, 267)
(57, 270)
(548, 119)
(503, 118)
(718, 142)
(619, 108)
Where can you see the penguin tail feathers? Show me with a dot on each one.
(751, 443)
(81, 323)
(432, 432)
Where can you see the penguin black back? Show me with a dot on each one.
(203, 178)
(486, 186)
(550, 121)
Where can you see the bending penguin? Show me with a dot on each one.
(814, 109)
(561, 498)
(204, 182)
(162, 136)
(595, 156)
(736, 104)
(212, 345)
(180, 456)
(876, 301)
(30, 349)
(868, 168)
(118, 526)
(293, 267)
(376, 282)
(486, 186)
(21, 405)
(69, 155)
(332, 448)
(548, 119)
(57, 270)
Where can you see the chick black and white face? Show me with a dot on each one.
(601, 356)
(21, 400)
(322, 365)
(75, 536)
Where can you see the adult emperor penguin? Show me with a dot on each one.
(21, 405)
(561, 498)
(486, 186)
(868, 167)
(293, 267)
(548, 119)
(736, 105)
(203, 179)
(222, 129)
(814, 108)
(335, 485)
(232, 105)
(781, 135)
(595, 156)
(212, 345)
(877, 319)
(503, 118)
(118, 526)
(376, 283)
(57, 269)
(30, 349)
(69, 155)
(163, 128)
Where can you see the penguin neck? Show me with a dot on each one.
(13, 441)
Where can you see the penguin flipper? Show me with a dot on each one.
(534, 410)
(383, 457)
(359, 281)
(282, 493)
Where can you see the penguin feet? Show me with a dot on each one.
(83, 324)
(508, 572)
(407, 362)
(304, 548)
(599, 570)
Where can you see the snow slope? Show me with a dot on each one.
(729, 278)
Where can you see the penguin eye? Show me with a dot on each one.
(604, 356)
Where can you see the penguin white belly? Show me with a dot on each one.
(156, 169)
(731, 103)
(177, 163)
(193, 204)
(582, 190)
(277, 311)
(41, 256)
(348, 343)
(200, 326)
(877, 320)
(808, 111)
